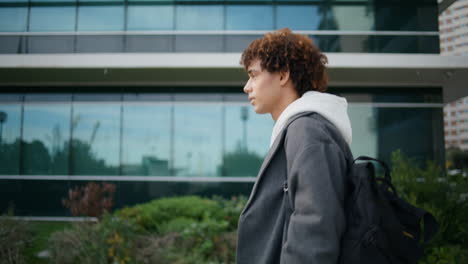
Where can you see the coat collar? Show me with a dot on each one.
(271, 153)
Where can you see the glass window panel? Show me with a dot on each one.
(197, 139)
(13, 19)
(199, 17)
(377, 132)
(146, 43)
(247, 137)
(394, 122)
(109, 1)
(51, 44)
(101, 43)
(237, 43)
(299, 17)
(364, 131)
(249, 17)
(150, 17)
(45, 18)
(34, 197)
(96, 139)
(408, 17)
(199, 43)
(146, 139)
(352, 17)
(46, 136)
(10, 134)
(132, 193)
(101, 18)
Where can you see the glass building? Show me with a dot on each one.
(148, 95)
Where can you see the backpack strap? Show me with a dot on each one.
(387, 179)
(387, 170)
(430, 224)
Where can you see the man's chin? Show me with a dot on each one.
(260, 110)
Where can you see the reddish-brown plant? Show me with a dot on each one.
(90, 200)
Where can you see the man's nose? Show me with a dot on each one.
(247, 87)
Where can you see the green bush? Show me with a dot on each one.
(442, 195)
(15, 238)
(182, 230)
(108, 241)
(157, 214)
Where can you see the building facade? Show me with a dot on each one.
(148, 94)
(453, 24)
(456, 124)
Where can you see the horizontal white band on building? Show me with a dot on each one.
(127, 178)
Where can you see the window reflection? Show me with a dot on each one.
(299, 17)
(101, 18)
(146, 139)
(150, 17)
(245, 17)
(52, 18)
(377, 132)
(46, 138)
(199, 17)
(197, 139)
(247, 140)
(353, 17)
(96, 138)
(10, 131)
(422, 130)
(364, 130)
(13, 19)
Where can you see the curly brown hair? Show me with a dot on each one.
(282, 51)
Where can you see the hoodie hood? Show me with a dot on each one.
(331, 107)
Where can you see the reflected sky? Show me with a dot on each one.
(250, 17)
(52, 18)
(203, 17)
(101, 18)
(365, 132)
(99, 126)
(298, 17)
(13, 19)
(197, 139)
(258, 130)
(149, 17)
(49, 124)
(146, 133)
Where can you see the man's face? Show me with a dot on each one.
(263, 88)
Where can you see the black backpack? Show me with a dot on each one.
(381, 227)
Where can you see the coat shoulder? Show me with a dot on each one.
(310, 129)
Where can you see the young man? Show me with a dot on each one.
(295, 213)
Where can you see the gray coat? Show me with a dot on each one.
(301, 221)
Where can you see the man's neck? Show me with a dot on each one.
(287, 100)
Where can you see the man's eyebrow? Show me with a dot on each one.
(252, 70)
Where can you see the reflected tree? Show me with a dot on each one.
(328, 43)
(85, 161)
(36, 158)
(9, 157)
(240, 162)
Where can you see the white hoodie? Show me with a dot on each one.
(331, 107)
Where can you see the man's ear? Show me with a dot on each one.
(284, 78)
